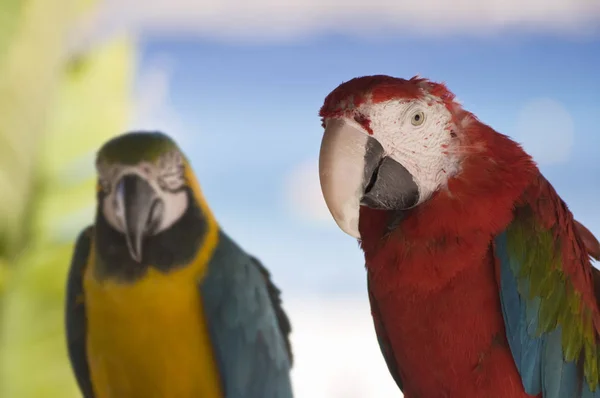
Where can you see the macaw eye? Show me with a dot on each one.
(171, 171)
(418, 118)
(172, 181)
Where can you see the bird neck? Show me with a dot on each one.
(479, 200)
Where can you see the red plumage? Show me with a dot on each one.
(434, 277)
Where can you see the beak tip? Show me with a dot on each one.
(348, 225)
(137, 257)
(353, 232)
(135, 253)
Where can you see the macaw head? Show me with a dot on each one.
(145, 187)
(393, 144)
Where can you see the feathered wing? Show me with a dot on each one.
(275, 297)
(249, 329)
(382, 339)
(547, 295)
(75, 313)
(592, 246)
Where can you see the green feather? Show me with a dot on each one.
(537, 262)
(135, 147)
(590, 366)
(549, 307)
(572, 337)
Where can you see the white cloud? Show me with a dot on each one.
(336, 351)
(546, 130)
(282, 20)
(151, 103)
(303, 195)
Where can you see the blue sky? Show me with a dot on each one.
(247, 117)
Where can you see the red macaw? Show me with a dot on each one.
(479, 278)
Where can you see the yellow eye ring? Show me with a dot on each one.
(418, 118)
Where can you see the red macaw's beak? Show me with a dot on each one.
(354, 171)
(341, 169)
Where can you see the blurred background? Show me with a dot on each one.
(238, 84)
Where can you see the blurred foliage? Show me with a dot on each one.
(55, 110)
(10, 15)
(29, 74)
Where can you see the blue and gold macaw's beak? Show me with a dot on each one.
(355, 171)
(139, 210)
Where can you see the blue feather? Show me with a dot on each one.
(587, 393)
(560, 379)
(526, 348)
(249, 344)
(539, 358)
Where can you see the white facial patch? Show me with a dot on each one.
(420, 135)
(165, 181)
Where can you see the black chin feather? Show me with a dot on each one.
(170, 249)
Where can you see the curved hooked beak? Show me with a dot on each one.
(354, 170)
(139, 210)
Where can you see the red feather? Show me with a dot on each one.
(434, 280)
(552, 212)
(589, 240)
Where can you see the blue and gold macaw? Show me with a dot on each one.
(161, 303)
